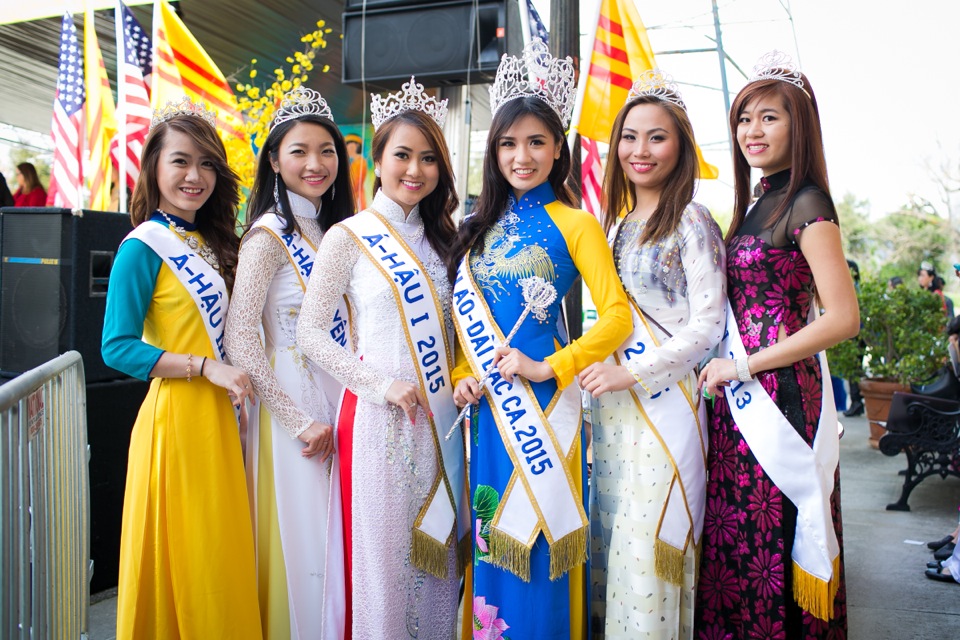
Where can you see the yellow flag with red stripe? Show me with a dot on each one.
(101, 117)
(183, 68)
(621, 52)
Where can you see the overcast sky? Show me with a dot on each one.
(884, 75)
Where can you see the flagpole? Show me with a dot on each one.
(585, 62)
(524, 21)
(122, 104)
(565, 38)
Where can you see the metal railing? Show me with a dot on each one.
(45, 503)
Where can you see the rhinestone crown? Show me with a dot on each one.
(538, 74)
(302, 101)
(660, 85)
(776, 65)
(184, 107)
(411, 97)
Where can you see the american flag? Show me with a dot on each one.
(535, 24)
(136, 51)
(66, 176)
(592, 174)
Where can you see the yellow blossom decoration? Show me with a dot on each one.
(258, 103)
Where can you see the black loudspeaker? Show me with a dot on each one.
(437, 42)
(54, 270)
(112, 409)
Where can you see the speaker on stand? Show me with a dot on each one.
(440, 42)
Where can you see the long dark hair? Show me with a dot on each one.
(217, 218)
(495, 190)
(30, 178)
(677, 192)
(437, 208)
(337, 202)
(807, 162)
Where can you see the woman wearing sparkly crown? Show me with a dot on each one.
(527, 474)
(649, 426)
(302, 189)
(402, 482)
(187, 565)
(773, 458)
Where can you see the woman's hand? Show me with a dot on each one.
(467, 392)
(601, 377)
(512, 362)
(234, 380)
(319, 439)
(406, 396)
(719, 372)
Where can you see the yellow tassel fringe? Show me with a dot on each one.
(815, 595)
(429, 555)
(509, 553)
(668, 562)
(568, 552)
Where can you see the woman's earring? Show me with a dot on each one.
(333, 192)
(376, 171)
(276, 190)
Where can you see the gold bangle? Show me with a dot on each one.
(189, 367)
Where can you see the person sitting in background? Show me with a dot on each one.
(29, 193)
(6, 198)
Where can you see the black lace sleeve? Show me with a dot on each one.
(809, 206)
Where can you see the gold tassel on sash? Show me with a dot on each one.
(509, 553)
(815, 595)
(668, 562)
(429, 555)
(568, 552)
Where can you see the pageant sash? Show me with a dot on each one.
(803, 473)
(541, 494)
(302, 256)
(444, 514)
(204, 283)
(677, 418)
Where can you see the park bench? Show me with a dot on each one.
(927, 430)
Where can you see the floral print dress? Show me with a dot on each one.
(746, 572)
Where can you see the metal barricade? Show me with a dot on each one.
(45, 503)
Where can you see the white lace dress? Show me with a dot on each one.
(388, 464)
(295, 500)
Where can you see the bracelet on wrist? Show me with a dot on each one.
(189, 367)
(203, 363)
(743, 369)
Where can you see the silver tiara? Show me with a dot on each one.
(776, 65)
(536, 74)
(184, 107)
(411, 97)
(302, 101)
(660, 85)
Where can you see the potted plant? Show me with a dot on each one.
(902, 341)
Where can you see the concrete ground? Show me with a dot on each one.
(888, 596)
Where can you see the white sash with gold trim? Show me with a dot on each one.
(302, 256)
(541, 494)
(445, 513)
(678, 420)
(204, 283)
(803, 473)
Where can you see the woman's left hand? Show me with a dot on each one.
(719, 372)
(601, 377)
(512, 362)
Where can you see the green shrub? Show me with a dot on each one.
(903, 331)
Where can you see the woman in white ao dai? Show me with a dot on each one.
(292, 474)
